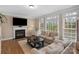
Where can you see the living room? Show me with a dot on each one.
(39, 29)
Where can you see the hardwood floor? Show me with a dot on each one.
(10, 47)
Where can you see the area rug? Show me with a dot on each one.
(25, 47)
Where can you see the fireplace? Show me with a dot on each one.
(19, 34)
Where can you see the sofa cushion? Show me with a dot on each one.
(48, 41)
(48, 37)
(51, 34)
(35, 51)
(56, 48)
(43, 33)
(46, 33)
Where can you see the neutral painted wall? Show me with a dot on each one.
(7, 28)
(31, 29)
(0, 38)
(33, 26)
(0, 30)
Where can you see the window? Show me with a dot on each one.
(42, 24)
(51, 24)
(69, 23)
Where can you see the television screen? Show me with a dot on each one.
(19, 21)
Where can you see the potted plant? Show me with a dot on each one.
(1, 18)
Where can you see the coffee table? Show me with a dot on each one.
(37, 43)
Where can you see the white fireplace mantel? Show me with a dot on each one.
(19, 28)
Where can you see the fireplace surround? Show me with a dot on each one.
(19, 32)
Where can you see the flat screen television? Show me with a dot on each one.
(19, 21)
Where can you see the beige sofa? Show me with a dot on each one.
(55, 48)
(49, 37)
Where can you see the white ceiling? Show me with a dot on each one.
(24, 11)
